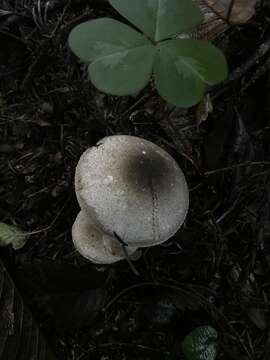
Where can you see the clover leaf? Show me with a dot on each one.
(121, 59)
(201, 344)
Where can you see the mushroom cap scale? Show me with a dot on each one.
(133, 188)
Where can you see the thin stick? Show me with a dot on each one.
(135, 271)
(236, 166)
(124, 246)
(230, 11)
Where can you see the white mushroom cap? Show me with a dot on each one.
(94, 244)
(131, 187)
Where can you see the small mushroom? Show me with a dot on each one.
(132, 194)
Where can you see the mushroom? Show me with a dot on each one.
(132, 194)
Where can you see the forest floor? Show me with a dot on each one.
(214, 271)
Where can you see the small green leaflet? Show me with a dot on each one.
(201, 344)
(11, 235)
(124, 73)
(183, 68)
(160, 19)
(121, 59)
(99, 38)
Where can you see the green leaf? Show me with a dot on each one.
(122, 59)
(201, 344)
(183, 68)
(160, 19)
(123, 74)
(10, 234)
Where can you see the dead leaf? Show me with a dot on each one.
(79, 310)
(257, 316)
(20, 337)
(62, 294)
(234, 11)
(10, 234)
(204, 108)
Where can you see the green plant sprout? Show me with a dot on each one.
(121, 60)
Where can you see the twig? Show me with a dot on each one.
(49, 227)
(263, 49)
(179, 142)
(145, 284)
(12, 36)
(124, 246)
(112, 345)
(43, 48)
(135, 271)
(230, 11)
(236, 166)
(259, 73)
(60, 19)
(118, 238)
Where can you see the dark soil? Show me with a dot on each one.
(214, 271)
